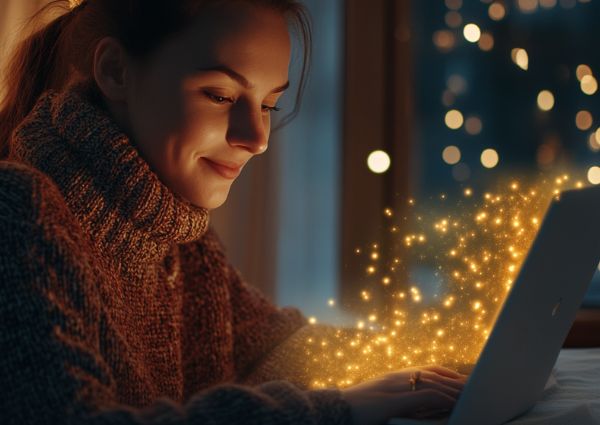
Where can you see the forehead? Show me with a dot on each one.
(243, 37)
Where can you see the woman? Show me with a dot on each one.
(127, 121)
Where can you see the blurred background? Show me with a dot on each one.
(406, 99)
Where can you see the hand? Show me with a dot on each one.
(376, 401)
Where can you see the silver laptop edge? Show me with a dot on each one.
(537, 314)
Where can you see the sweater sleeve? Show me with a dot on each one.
(271, 343)
(52, 368)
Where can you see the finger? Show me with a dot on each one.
(454, 383)
(425, 384)
(444, 371)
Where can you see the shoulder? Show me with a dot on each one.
(29, 197)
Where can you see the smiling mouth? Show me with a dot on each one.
(225, 171)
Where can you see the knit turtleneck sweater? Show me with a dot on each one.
(117, 303)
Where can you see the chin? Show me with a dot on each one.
(212, 200)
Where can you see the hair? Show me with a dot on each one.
(61, 53)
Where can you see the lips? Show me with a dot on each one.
(226, 170)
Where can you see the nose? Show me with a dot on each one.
(247, 129)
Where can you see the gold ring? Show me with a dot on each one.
(414, 379)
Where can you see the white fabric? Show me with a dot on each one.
(571, 396)
(575, 399)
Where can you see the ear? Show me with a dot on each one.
(110, 69)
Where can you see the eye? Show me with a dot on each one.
(267, 108)
(218, 99)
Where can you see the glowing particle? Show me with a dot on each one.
(388, 212)
(386, 280)
(489, 158)
(476, 305)
(331, 302)
(472, 33)
(379, 161)
(365, 295)
(374, 256)
(520, 58)
(545, 100)
(312, 320)
(371, 269)
(451, 155)
(468, 192)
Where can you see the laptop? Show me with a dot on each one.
(530, 329)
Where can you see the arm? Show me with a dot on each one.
(52, 367)
(270, 343)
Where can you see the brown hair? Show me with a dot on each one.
(61, 52)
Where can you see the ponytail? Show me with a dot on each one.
(30, 73)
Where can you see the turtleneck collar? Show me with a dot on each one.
(120, 202)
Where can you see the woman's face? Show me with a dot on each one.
(199, 110)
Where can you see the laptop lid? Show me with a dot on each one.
(537, 314)
(534, 321)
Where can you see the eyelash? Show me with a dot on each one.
(220, 99)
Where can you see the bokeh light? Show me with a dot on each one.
(486, 41)
(527, 6)
(489, 158)
(583, 70)
(454, 119)
(496, 11)
(379, 161)
(472, 33)
(520, 58)
(473, 125)
(453, 19)
(589, 85)
(451, 155)
(545, 100)
(583, 120)
(444, 40)
(593, 175)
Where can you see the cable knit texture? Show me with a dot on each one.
(117, 303)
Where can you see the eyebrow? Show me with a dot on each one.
(234, 75)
